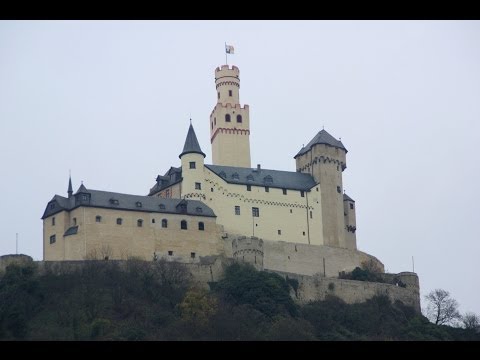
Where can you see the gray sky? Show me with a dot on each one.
(111, 101)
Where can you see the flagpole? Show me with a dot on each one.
(226, 61)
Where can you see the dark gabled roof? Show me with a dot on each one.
(264, 177)
(347, 198)
(71, 231)
(81, 189)
(191, 144)
(102, 199)
(323, 137)
(171, 177)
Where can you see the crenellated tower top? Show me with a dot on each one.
(227, 83)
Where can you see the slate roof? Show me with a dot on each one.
(105, 199)
(264, 177)
(171, 177)
(347, 198)
(71, 231)
(323, 137)
(191, 144)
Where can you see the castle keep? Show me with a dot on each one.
(293, 222)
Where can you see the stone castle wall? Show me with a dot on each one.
(312, 288)
(19, 259)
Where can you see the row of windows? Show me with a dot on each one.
(228, 118)
(256, 211)
(183, 223)
(170, 253)
(284, 191)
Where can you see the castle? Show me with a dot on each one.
(295, 222)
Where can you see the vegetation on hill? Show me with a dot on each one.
(156, 301)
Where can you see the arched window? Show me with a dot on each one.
(139, 222)
(183, 225)
(201, 226)
(239, 118)
(119, 221)
(98, 218)
(164, 223)
(227, 118)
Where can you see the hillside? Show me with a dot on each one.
(157, 301)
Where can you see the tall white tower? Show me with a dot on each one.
(229, 122)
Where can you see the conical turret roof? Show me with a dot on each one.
(191, 144)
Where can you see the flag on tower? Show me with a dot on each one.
(229, 49)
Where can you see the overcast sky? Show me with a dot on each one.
(111, 101)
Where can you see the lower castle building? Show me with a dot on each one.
(297, 222)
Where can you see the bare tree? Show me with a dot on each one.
(471, 321)
(441, 308)
(106, 252)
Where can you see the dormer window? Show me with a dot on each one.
(223, 175)
(235, 176)
(84, 197)
(114, 201)
(250, 177)
(268, 179)
(162, 207)
(199, 209)
(138, 204)
(52, 206)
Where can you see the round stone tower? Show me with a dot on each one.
(248, 249)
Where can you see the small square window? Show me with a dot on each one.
(119, 221)
(170, 253)
(279, 232)
(351, 206)
(193, 165)
(192, 255)
(304, 233)
(237, 210)
(255, 212)
(98, 218)
(284, 191)
(153, 221)
(139, 222)
(317, 188)
(211, 189)
(291, 211)
(302, 193)
(267, 189)
(249, 187)
(74, 221)
(339, 190)
(53, 239)
(198, 186)
(201, 226)
(229, 92)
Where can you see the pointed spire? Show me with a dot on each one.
(191, 144)
(70, 188)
